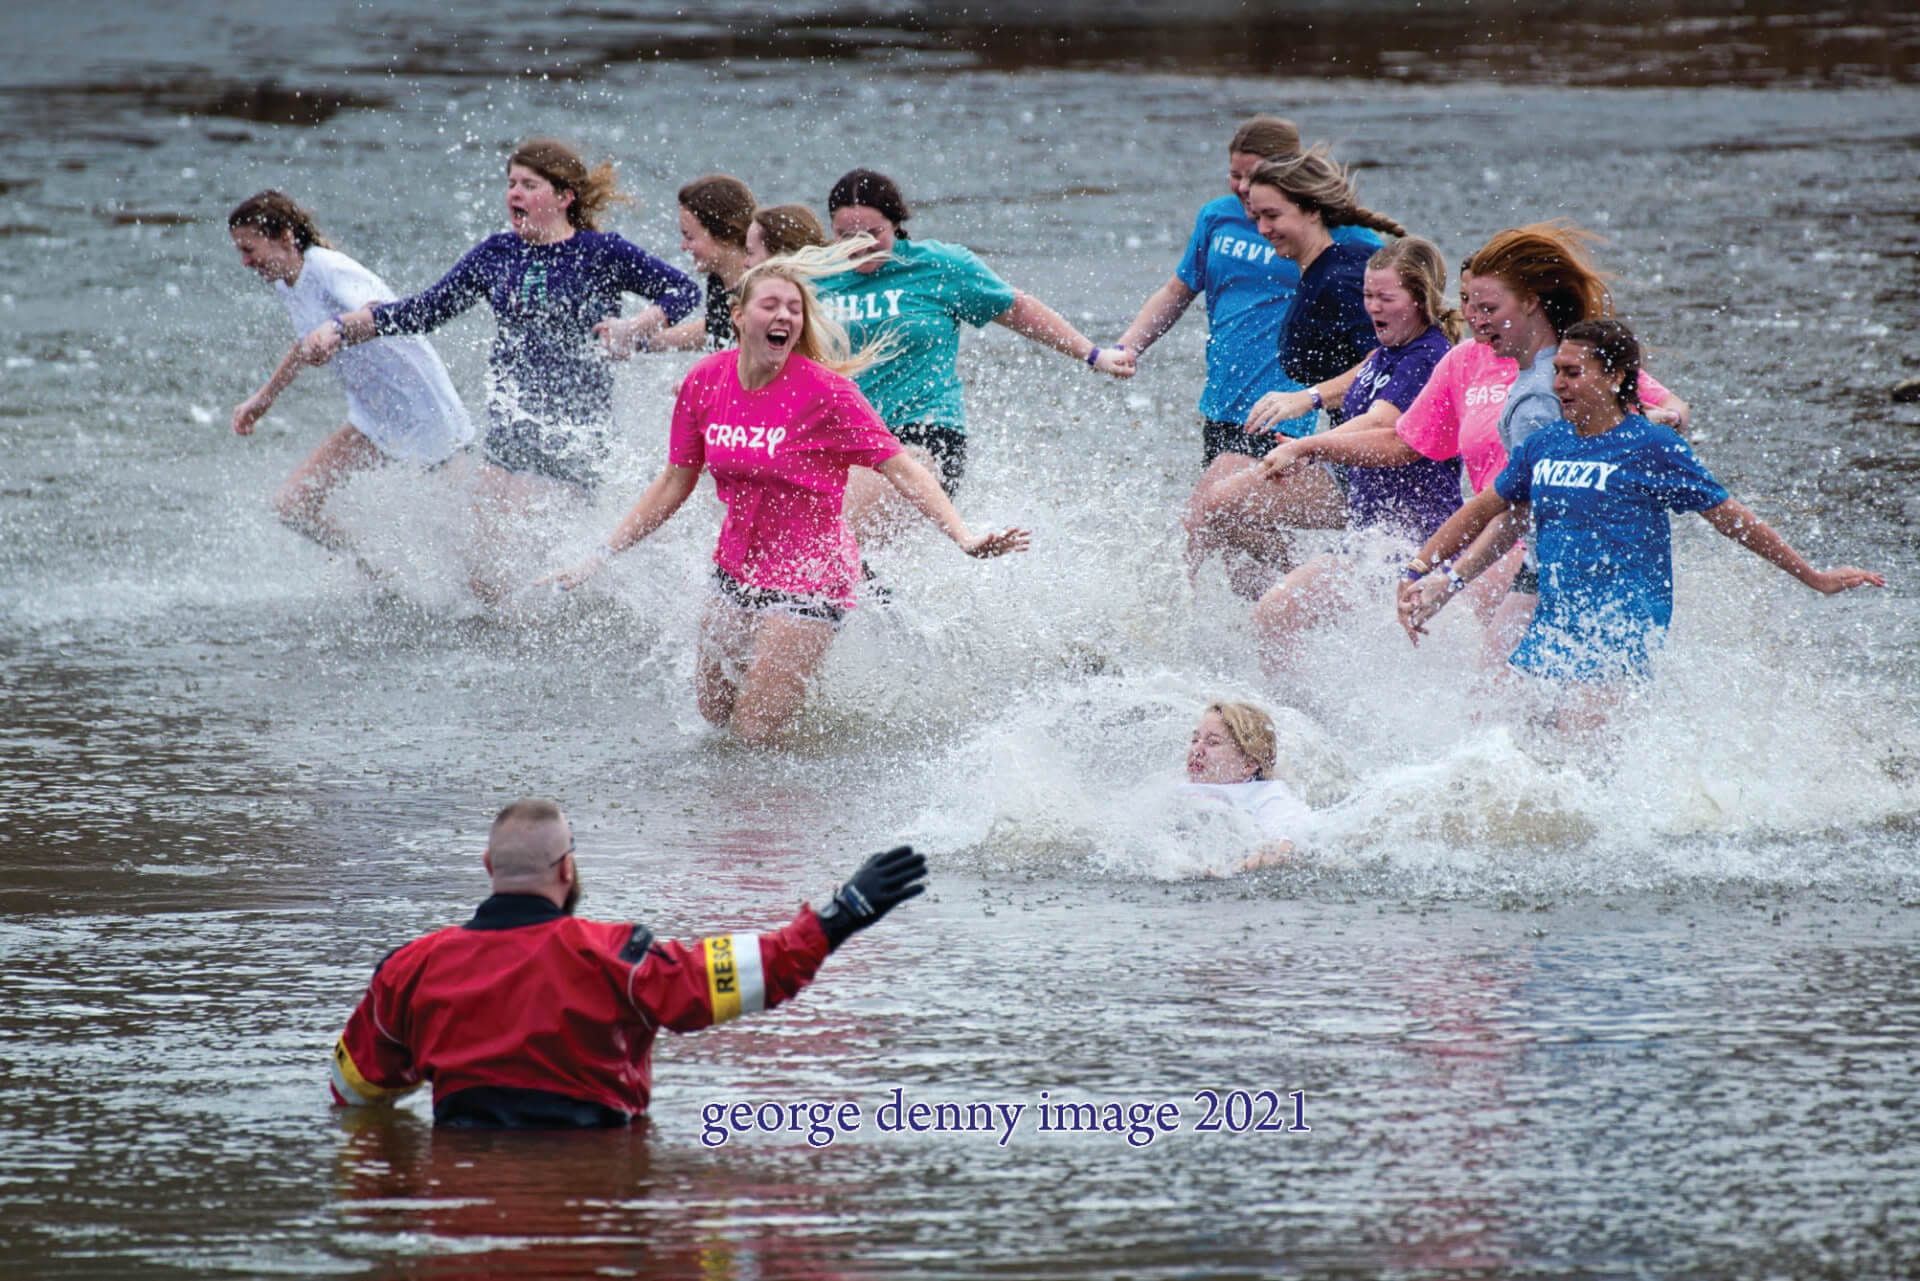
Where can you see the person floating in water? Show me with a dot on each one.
(1232, 758)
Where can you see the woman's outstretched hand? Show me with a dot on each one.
(1846, 578)
(998, 543)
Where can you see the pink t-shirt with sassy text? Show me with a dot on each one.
(779, 456)
(1458, 411)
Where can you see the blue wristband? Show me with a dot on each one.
(1093, 358)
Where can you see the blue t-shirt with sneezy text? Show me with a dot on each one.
(1604, 539)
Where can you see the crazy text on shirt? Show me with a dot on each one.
(724, 436)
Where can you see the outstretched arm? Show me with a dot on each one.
(917, 485)
(1031, 318)
(1167, 305)
(255, 407)
(1737, 521)
(657, 505)
(1367, 441)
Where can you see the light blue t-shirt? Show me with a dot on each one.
(1600, 507)
(1531, 403)
(1248, 289)
(922, 294)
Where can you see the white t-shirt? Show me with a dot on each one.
(1270, 802)
(398, 393)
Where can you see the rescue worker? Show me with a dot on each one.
(530, 1017)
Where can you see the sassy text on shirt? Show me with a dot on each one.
(723, 436)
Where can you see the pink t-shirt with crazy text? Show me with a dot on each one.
(1458, 411)
(779, 456)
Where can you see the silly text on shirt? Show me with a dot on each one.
(1573, 475)
(846, 307)
(724, 436)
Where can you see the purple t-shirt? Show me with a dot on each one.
(1417, 497)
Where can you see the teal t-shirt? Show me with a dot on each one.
(921, 294)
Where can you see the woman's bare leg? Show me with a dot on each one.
(301, 501)
(504, 504)
(1315, 594)
(1236, 509)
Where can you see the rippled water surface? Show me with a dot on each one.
(1642, 1008)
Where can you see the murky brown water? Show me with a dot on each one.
(1552, 1015)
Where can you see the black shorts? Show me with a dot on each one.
(1526, 582)
(948, 447)
(1219, 438)
(763, 600)
(522, 445)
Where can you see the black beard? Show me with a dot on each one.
(573, 894)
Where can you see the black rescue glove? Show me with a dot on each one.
(882, 883)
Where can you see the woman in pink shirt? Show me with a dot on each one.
(1457, 414)
(778, 421)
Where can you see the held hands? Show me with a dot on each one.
(621, 338)
(1846, 578)
(998, 543)
(1277, 407)
(1420, 601)
(251, 411)
(1117, 362)
(883, 882)
(318, 347)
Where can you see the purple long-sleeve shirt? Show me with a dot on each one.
(546, 299)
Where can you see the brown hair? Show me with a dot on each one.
(1548, 260)
(1618, 352)
(786, 228)
(1423, 272)
(593, 191)
(1268, 137)
(875, 191)
(1313, 182)
(273, 214)
(1251, 730)
(723, 205)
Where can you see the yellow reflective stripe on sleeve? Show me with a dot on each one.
(352, 1086)
(735, 983)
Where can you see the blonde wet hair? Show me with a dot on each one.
(821, 339)
(1422, 272)
(1251, 730)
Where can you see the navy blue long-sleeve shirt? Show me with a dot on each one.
(1327, 330)
(545, 365)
